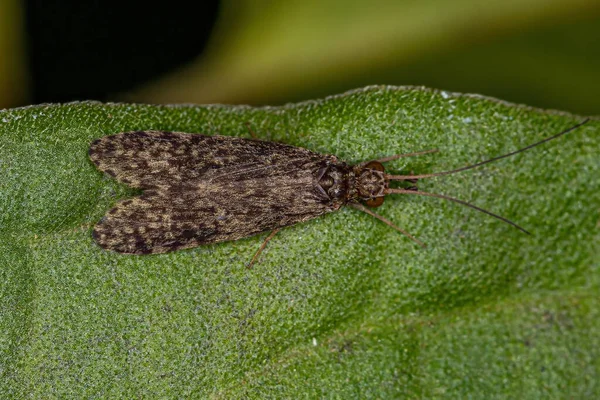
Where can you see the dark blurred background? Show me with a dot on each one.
(544, 53)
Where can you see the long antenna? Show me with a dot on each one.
(409, 177)
(464, 203)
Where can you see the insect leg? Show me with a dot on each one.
(251, 131)
(262, 247)
(386, 221)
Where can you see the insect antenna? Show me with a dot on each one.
(464, 203)
(411, 177)
(455, 200)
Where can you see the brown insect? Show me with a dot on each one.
(200, 189)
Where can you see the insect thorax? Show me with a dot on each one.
(343, 183)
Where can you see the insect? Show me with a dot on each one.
(200, 189)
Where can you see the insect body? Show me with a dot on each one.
(201, 189)
(204, 189)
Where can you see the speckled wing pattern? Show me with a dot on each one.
(201, 189)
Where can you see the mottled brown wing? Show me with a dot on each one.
(148, 159)
(209, 211)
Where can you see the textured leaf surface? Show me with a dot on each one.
(339, 306)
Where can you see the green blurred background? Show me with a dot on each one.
(544, 53)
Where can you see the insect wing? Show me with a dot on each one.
(147, 159)
(208, 211)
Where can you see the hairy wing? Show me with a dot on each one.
(207, 211)
(147, 159)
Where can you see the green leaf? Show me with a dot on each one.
(341, 306)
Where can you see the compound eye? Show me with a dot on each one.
(375, 202)
(376, 165)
